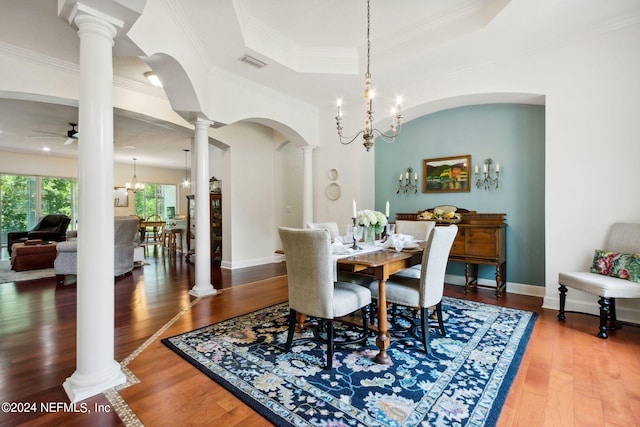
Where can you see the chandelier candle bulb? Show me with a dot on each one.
(497, 167)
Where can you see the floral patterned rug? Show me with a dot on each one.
(463, 381)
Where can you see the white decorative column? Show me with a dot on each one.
(203, 286)
(307, 184)
(96, 368)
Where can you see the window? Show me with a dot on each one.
(24, 199)
(156, 200)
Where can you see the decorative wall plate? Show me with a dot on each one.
(333, 191)
(333, 174)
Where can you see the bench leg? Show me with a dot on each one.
(563, 300)
(604, 316)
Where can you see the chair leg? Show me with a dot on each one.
(424, 322)
(440, 321)
(292, 329)
(365, 323)
(604, 316)
(329, 344)
(563, 299)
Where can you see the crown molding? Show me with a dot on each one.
(176, 12)
(74, 69)
(39, 58)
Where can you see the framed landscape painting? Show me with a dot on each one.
(446, 174)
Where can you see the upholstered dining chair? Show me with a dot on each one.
(331, 227)
(419, 230)
(427, 290)
(156, 231)
(312, 290)
(613, 274)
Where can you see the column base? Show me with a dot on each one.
(79, 388)
(204, 291)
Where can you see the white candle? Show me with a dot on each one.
(476, 169)
(497, 167)
(484, 168)
(415, 176)
(386, 209)
(407, 175)
(354, 208)
(400, 179)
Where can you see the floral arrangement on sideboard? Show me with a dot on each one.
(445, 214)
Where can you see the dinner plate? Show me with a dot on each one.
(413, 245)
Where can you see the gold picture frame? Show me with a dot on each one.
(446, 174)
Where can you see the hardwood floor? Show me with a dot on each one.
(568, 377)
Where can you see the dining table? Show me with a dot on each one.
(380, 265)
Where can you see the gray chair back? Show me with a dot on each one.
(624, 238)
(418, 229)
(434, 264)
(331, 227)
(309, 270)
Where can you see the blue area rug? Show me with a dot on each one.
(463, 381)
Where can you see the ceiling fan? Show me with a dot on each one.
(72, 134)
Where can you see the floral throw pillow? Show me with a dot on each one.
(614, 264)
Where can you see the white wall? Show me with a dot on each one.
(249, 194)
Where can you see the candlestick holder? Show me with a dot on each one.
(357, 234)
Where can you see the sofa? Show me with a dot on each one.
(48, 228)
(126, 239)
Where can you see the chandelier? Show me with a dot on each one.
(134, 186)
(368, 133)
(187, 181)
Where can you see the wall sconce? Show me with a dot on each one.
(486, 180)
(408, 184)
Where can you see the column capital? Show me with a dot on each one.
(73, 10)
(202, 123)
(306, 149)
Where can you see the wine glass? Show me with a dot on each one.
(357, 235)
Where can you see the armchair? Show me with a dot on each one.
(126, 239)
(606, 279)
(49, 227)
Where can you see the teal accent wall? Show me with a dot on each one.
(513, 136)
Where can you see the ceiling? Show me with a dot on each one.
(315, 51)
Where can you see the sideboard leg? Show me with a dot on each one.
(466, 278)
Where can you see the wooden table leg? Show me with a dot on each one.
(384, 338)
(300, 319)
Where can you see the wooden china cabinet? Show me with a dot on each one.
(215, 226)
(481, 240)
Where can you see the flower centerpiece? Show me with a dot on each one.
(373, 222)
(440, 214)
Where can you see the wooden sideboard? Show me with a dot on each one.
(481, 240)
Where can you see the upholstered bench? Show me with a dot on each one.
(608, 278)
(32, 257)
